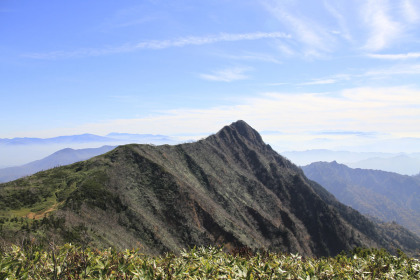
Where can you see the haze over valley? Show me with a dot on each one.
(235, 191)
(253, 126)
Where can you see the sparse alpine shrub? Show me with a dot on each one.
(71, 262)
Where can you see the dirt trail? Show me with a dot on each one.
(40, 215)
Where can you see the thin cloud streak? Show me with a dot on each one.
(320, 82)
(371, 25)
(316, 39)
(406, 69)
(383, 30)
(393, 111)
(341, 20)
(253, 57)
(410, 69)
(160, 44)
(227, 75)
(411, 55)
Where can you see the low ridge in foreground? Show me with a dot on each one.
(230, 188)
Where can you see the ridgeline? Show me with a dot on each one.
(229, 189)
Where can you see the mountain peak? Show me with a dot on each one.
(242, 126)
(228, 189)
(241, 129)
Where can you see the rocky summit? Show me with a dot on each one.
(229, 189)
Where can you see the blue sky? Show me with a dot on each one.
(306, 74)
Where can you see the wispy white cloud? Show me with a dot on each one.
(407, 69)
(276, 84)
(250, 56)
(391, 110)
(285, 49)
(410, 11)
(383, 29)
(227, 75)
(340, 18)
(315, 38)
(320, 82)
(374, 74)
(335, 26)
(398, 56)
(160, 44)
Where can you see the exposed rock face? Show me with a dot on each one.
(230, 188)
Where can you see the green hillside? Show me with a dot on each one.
(229, 189)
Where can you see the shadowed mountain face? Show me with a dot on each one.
(230, 188)
(384, 195)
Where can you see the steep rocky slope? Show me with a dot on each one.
(230, 188)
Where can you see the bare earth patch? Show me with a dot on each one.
(41, 214)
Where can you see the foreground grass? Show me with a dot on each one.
(70, 262)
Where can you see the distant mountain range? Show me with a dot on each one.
(88, 138)
(405, 164)
(383, 195)
(20, 151)
(406, 145)
(402, 164)
(60, 158)
(228, 189)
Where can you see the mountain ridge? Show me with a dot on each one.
(402, 163)
(80, 138)
(21, 151)
(387, 196)
(229, 188)
(62, 157)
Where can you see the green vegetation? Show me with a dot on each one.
(38, 195)
(230, 188)
(70, 262)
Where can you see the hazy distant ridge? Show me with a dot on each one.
(59, 158)
(405, 164)
(83, 138)
(20, 151)
(384, 195)
(229, 188)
